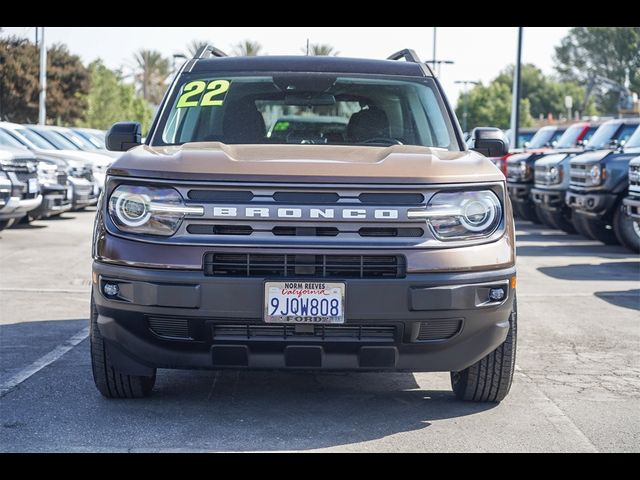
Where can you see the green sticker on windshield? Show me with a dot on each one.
(216, 91)
(281, 127)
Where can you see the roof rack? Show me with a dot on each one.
(211, 50)
(408, 54)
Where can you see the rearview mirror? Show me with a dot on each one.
(122, 136)
(309, 99)
(490, 142)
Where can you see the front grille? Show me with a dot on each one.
(24, 177)
(171, 328)
(317, 266)
(634, 178)
(306, 231)
(438, 330)
(20, 165)
(337, 333)
(578, 174)
(62, 178)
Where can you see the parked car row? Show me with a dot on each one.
(47, 170)
(586, 183)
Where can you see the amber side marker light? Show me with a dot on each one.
(513, 282)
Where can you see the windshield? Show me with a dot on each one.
(610, 131)
(524, 137)
(544, 137)
(570, 137)
(56, 139)
(96, 141)
(634, 140)
(9, 141)
(36, 139)
(78, 140)
(306, 109)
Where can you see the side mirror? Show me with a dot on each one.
(490, 142)
(526, 144)
(613, 144)
(123, 135)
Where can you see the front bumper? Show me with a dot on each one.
(84, 195)
(56, 200)
(519, 192)
(596, 204)
(632, 205)
(423, 322)
(547, 199)
(18, 208)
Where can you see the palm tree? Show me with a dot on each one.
(321, 49)
(195, 46)
(247, 48)
(151, 73)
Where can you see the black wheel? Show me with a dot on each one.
(527, 211)
(580, 224)
(489, 379)
(626, 229)
(4, 224)
(598, 230)
(110, 382)
(544, 217)
(562, 220)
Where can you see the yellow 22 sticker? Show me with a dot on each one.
(192, 94)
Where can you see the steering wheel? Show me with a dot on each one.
(393, 141)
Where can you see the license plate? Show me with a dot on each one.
(32, 186)
(304, 302)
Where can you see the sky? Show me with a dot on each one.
(478, 53)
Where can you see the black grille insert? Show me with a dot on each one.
(390, 232)
(221, 196)
(291, 265)
(203, 229)
(307, 198)
(391, 198)
(439, 329)
(171, 328)
(351, 333)
(306, 231)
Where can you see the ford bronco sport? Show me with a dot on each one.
(387, 247)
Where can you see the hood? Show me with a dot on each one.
(594, 156)
(552, 159)
(306, 163)
(518, 157)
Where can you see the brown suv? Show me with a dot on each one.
(385, 244)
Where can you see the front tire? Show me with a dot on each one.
(626, 229)
(598, 230)
(111, 382)
(490, 378)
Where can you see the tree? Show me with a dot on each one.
(321, 49)
(67, 83)
(247, 48)
(490, 106)
(607, 51)
(111, 100)
(195, 46)
(151, 73)
(545, 94)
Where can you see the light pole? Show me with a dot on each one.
(515, 106)
(42, 107)
(464, 101)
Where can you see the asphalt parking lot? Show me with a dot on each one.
(577, 384)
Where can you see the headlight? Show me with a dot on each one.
(595, 174)
(555, 175)
(150, 210)
(462, 215)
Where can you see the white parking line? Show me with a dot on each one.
(45, 290)
(556, 416)
(43, 361)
